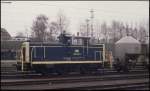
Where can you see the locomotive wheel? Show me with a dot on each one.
(61, 71)
(40, 69)
(125, 68)
(118, 69)
(85, 70)
(18, 67)
(82, 70)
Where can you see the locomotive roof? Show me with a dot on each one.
(51, 43)
(76, 37)
(83, 37)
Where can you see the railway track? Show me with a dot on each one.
(27, 75)
(136, 79)
(132, 84)
(128, 81)
(58, 80)
(86, 85)
(32, 74)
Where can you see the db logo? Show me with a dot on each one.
(76, 52)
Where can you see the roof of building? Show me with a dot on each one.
(5, 35)
(128, 39)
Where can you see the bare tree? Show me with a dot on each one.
(115, 28)
(84, 28)
(121, 29)
(62, 22)
(134, 33)
(142, 34)
(97, 32)
(144, 30)
(104, 31)
(53, 31)
(39, 28)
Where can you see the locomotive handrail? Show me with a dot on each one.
(31, 57)
(87, 48)
(103, 54)
(22, 64)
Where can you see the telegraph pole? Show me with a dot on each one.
(92, 16)
(27, 33)
(87, 42)
(87, 21)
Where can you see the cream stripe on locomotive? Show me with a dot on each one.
(63, 46)
(64, 62)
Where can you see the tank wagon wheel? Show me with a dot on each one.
(127, 66)
(146, 66)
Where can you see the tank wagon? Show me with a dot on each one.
(127, 51)
(70, 54)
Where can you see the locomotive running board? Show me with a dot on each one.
(64, 62)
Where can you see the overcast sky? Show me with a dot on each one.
(19, 15)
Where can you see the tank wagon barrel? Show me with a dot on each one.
(127, 52)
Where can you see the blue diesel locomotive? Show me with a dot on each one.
(69, 54)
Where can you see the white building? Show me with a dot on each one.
(19, 38)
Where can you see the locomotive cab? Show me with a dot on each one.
(24, 58)
(68, 40)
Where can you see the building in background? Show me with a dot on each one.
(5, 35)
(20, 38)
